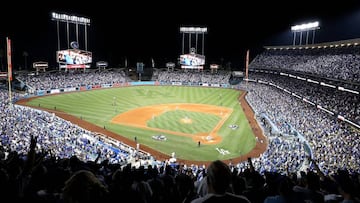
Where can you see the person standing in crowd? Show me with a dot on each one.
(218, 185)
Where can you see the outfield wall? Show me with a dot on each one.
(126, 84)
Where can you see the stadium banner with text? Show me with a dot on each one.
(54, 91)
(143, 83)
(176, 83)
(3, 74)
(69, 89)
(95, 86)
(106, 85)
(40, 92)
(82, 88)
(117, 85)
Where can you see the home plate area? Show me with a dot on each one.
(159, 137)
(233, 127)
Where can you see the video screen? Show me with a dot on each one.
(74, 56)
(192, 60)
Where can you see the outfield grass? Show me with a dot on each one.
(97, 107)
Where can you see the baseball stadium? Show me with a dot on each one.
(288, 125)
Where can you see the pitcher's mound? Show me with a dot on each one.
(186, 120)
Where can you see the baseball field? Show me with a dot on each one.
(195, 123)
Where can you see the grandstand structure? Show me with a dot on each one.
(271, 79)
(306, 100)
(320, 86)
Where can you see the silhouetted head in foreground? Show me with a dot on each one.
(84, 187)
(218, 177)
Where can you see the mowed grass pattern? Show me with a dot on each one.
(172, 120)
(97, 107)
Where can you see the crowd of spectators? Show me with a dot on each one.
(338, 62)
(195, 77)
(37, 178)
(59, 79)
(335, 143)
(55, 135)
(84, 166)
(342, 103)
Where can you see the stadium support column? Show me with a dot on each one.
(307, 37)
(67, 34)
(196, 41)
(58, 38)
(189, 42)
(86, 48)
(183, 39)
(294, 39)
(77, 32)
(203, 34)
(313, 37)
(58, 35)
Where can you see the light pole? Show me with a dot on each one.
(306, 27)
(196, 31)
(194, 59)
(70, 20)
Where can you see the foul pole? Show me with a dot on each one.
(247, 66)
(8, 41)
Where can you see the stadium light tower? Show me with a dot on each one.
(196, 31)
(77, 56)
(70, 19)
(306, 27)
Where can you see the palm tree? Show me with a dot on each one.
(25, 55)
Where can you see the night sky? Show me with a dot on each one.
(140, 31)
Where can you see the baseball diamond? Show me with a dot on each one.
(185, 116)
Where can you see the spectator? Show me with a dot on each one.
(218, 183)
(84, 187)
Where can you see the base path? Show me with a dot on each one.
(259, 148)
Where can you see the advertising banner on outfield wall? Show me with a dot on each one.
(143, 83)
(69, 89)
(55, 91)
(40, 92)
(106, 85)
(176, 83)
